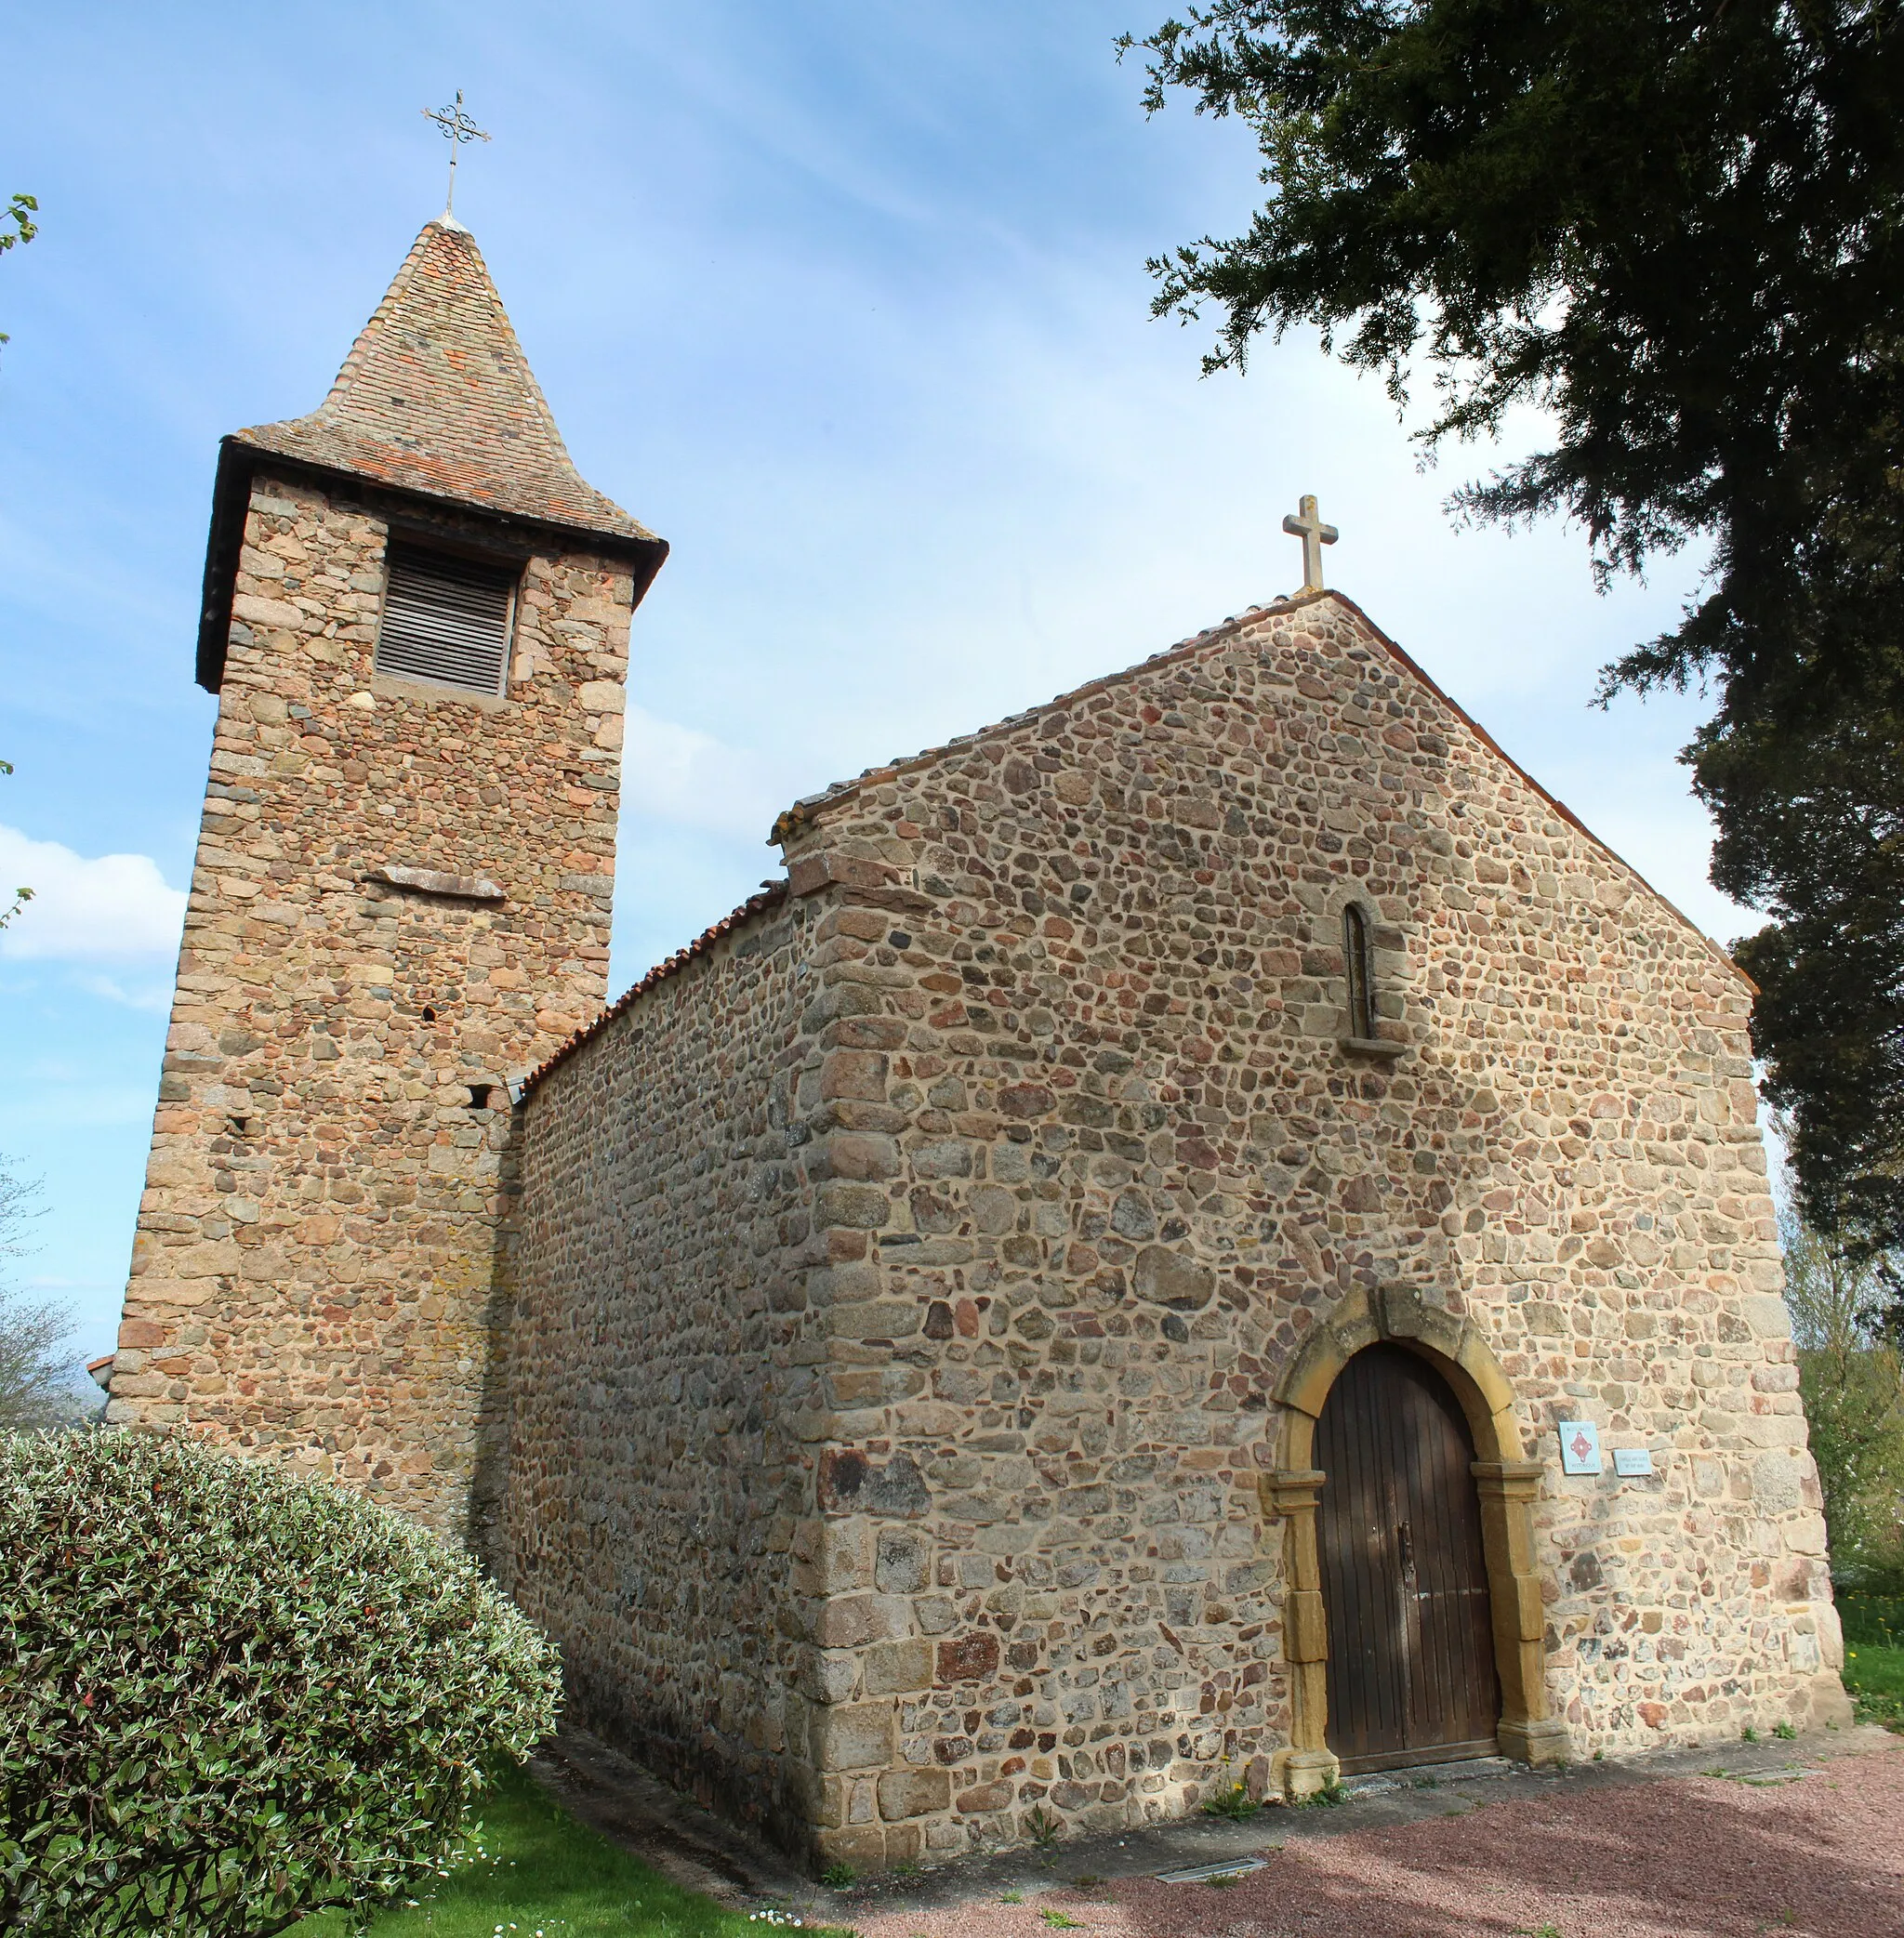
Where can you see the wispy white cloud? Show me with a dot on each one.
(680, 774)
(923, 459)
(155, 997)
(102, 908)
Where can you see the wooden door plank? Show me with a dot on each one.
(1412, 1673)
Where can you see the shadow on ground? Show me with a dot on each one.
(1806, 1837)
(1686, 1857)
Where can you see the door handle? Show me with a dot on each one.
(1405, 1540)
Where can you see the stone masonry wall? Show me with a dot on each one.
(316, 1256)
(653, 1498)
(1099, 1162)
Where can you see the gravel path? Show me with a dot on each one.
(1681, 1857)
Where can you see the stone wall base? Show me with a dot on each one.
(1542, 1744)
(1301, 1774)
(1831, 1707)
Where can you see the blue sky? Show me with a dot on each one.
(844, 297)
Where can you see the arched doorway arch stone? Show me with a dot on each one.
(1507, 1482)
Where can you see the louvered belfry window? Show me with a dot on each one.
(446, 619)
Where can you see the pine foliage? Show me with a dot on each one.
(1677, 228)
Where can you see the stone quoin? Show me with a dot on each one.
(885, 1348)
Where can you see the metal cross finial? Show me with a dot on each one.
(1307, 525)
(456, 128)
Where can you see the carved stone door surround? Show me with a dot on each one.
(1508, 1484)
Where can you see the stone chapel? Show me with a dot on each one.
(1209, 1232)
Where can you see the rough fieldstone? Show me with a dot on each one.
(1166, 1277)
(913, 1793)
(1133, 1171)
(905, 1564)
(315, 1113)
(969, 1659)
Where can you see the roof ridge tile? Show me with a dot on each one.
(768, 895)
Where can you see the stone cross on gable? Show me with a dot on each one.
(1307, 525)
(456, 128)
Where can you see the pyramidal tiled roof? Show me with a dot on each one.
(436, 397)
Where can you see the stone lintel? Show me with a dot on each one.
(1379, 1046)
(433, 881)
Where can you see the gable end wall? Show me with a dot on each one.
(1131, 1169)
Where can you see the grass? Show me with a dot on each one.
(544, 1873)
(1871, 1618)
(1875, 1675)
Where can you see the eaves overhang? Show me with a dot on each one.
(509, 533)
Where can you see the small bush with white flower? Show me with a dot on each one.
(228, 1697)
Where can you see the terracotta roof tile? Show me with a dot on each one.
(809, 809)
(772, 896)
(436, 397)
(806, 810)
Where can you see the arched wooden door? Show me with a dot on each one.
(1411, 1676)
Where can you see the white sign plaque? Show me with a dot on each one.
(1633, 1461)
(1580, 1447)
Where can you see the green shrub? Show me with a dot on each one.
(228, 1697)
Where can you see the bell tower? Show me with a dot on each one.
(415, 621)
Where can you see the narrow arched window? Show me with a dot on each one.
(1356, 967)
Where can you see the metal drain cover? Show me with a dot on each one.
(1206, 1873)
